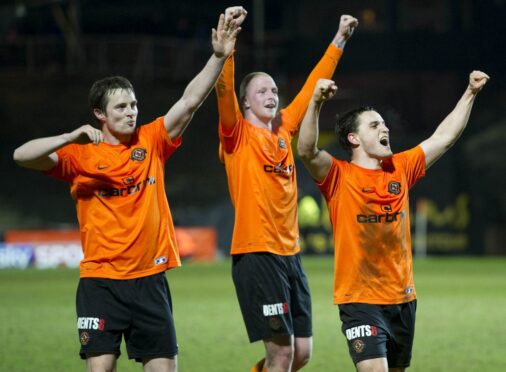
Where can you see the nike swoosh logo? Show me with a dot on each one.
(368, 189)
(100, 167)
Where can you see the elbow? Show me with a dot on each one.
(20, 158)
(17, 156)
(305, 152)
(447, 143)
(192, 104)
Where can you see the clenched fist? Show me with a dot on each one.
(324, 90)
(477, 80)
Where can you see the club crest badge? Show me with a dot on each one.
(281, 143)
(138, 154)
(84, 338)
(394, 187)
(275, 323)
(358, 346)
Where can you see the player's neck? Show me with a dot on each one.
(365, 161)
(116, 139)
(263, 123)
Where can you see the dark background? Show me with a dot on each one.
(410, 59)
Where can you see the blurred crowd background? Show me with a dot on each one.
(410, 59)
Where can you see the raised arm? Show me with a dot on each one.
(347, 25)
(453, 125)
(223, 40)
(323, 70)
(316, 161)
(40, 153)
(228, 106)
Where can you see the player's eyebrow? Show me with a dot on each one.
(377, 122)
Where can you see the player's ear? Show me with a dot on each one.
(353, 138)
(99, 114)
(245, 103)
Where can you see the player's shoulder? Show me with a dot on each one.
(407, 155)
(152, 125)
(75, 150)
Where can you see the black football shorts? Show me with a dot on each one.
(379, 331)
(273, 294)
(138, 309)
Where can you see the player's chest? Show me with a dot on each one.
(381, 187)
(117, 165)
(270, 146)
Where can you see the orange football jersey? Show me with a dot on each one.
(369, 211)
(260, 166)
(125, 222)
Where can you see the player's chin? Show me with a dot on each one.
(385, 154)
(129, 129)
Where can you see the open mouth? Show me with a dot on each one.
(271, 105)
(384, 141)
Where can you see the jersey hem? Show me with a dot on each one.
(403, 300)
(157, 270)
(262, 248)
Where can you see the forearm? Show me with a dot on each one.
(228, 107)
(36, 153)
(200, 87)
(308, 133)
(324, 69)
(454, 124)
(316, 161)
(339, 41)
(179, 116)
(449, 130)
(347, 25)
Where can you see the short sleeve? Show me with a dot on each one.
(157, 134)
(230, 139)
(413, 161)
(67, 167)
(328, 185)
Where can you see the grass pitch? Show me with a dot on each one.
(461, 319)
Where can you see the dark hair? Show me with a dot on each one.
(348, 123)
(100, 90)
(245, 82)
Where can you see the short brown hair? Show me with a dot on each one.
(100, 90)
(348, 123)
